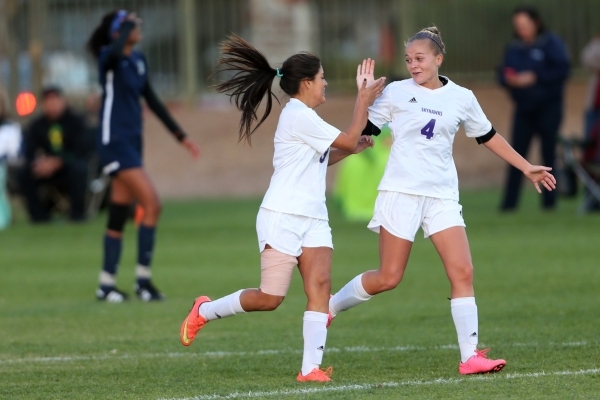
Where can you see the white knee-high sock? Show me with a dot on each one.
(464, 314)
(314, 332)
(349, 296)
(223, 307)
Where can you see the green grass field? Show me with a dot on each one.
(537, 286)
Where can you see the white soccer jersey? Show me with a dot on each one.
(302, 142)
(423, 124)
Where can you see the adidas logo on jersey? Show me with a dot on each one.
(413, 100)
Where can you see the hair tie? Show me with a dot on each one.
(279, 74)
(423, 35)
(117, 21)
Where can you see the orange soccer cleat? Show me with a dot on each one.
(193, 323)
(480, 364)
(316, 375)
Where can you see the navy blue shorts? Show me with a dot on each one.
(119, 155)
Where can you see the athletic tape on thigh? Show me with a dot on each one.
(276, 272)
(117, 216)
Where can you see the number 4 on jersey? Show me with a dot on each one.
(428, 129)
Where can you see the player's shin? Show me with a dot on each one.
(223, 307)
(146, 237)
(349, 296)
(314, 332)
(464, 314)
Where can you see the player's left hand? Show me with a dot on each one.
(539, 174)
(191, 147)
(363, 143)
(365, 72)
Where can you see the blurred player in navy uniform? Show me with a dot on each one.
(55, 155)
(534, 70)
(124, 79)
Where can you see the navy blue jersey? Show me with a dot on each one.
(124, 80)
(123, 84)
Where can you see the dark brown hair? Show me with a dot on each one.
(533, 15)
(254, 77)
(101, 35)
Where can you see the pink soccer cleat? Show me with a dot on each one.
(480, 364)
(193, 323)
(316, 375)
(329, 315)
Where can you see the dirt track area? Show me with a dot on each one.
(228, 168)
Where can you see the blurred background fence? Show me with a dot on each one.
(42, 41)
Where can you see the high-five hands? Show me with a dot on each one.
(369, 89)
(365, 71)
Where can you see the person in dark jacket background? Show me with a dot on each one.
(55, 154)
(535, 69)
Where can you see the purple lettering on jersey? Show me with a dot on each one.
(427, 130)
(427, 110)
(322, 159)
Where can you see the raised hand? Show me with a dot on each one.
(539, 174)
(365, 71)
(368, 94)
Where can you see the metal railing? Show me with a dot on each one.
(43, 40)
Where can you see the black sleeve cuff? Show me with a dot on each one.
(483, 139)
(371, 129)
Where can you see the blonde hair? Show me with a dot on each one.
(435, 39)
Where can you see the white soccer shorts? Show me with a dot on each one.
(288, 233)
(401, 214)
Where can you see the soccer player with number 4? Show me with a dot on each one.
(420, 187)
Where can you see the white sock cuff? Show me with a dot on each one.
(236, 304)
(142, 271)
(462, 301)
(359, 289)
(315, 316)
(107, 279)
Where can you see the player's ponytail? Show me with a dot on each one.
(254, 77)
(435, 39)
(101, 35)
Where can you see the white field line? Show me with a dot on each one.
(220, 354)
(367, 386)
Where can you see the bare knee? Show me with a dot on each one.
(467, 273)
(269, 302)
(318, 285)
(389, 281)
(153, 208)
(462, 275)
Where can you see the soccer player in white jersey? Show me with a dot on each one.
(420, 187)
(292, 222)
